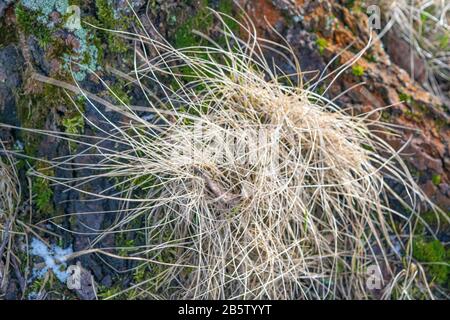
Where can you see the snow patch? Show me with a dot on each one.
(54, 259)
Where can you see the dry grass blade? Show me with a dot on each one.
(424, 24)
(10, 200)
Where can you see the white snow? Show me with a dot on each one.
(54, 259)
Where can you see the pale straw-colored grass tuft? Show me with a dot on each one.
(248, 184)
(10, 200)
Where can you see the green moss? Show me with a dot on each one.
(31, 116)
(42, 192)
(116, 45)
(371, 58)
(74, 125)
(321, 90)
(119, 89)
(36, 286)
(321, 44)
(385, 115)
(227, 7)
(423, 109)
(201, 21)
(416, 110)
(368, 147)
(432, 219)
(33, 111)
(440, 123)
(436, 179)
(43, 196)
(405, 98)
(184, 36)
(105, 293)
(104, 12)
(30, 23)
(413, 115)
(124, 243)
(109, 19)
(444, 41)
(140, 273)
(358, 70)
(435, 257)
(349, 3)
(143, 183)
(105, 16)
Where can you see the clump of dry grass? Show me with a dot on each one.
(424, 24)
(251, 186)
(10, 199)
